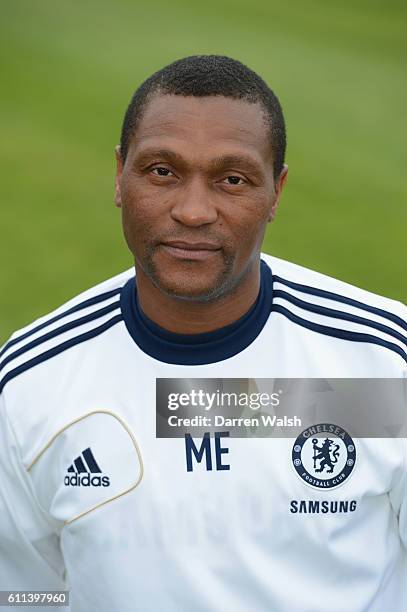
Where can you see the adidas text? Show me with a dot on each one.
(76, 480)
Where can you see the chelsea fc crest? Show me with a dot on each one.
(324, 455)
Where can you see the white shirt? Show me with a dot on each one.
(140, 531)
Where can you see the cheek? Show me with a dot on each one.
(252, 239)
(248, 223)
(139, 214)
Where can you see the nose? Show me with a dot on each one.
(193, 206)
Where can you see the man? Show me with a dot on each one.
(91, 499)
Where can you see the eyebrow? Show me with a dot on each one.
(217, 164)
(244, 161)
(165, 154)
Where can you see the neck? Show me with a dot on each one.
(189, 317)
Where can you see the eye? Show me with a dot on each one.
(161, 171)
(234, 180)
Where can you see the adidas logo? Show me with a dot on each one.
(81, 470)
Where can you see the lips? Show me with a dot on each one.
(193, 246)
(197, 251)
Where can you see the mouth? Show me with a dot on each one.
(195, 251)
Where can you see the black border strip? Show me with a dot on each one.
(339, 314)
(339, 333)
(59, 349)
(341, 298)
(90, 302)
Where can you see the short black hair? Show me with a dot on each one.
(209, 75)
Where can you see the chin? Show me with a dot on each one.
(190, 283)
(189, 292)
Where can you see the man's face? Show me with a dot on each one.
(196, 192)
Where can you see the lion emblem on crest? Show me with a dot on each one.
(327, 454)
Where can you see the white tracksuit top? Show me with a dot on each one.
(92, 501)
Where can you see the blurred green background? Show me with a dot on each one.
(69, 69)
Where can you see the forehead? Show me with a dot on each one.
(205, 123)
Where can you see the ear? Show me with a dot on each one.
(278, 188)
(119, 170)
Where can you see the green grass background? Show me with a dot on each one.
(69, 68)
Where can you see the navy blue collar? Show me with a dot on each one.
(196, 349)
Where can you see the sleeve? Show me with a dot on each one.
(30, 555)
(398, 496)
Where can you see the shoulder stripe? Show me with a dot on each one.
(96, 314)
(341, 298)
(338, 314)
(59, 349)
(339, 333)
(89, 302)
